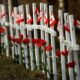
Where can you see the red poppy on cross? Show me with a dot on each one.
(70, 64)
(48, 48)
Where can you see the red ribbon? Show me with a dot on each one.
(2, 30)
(48, 48)
(65, 53)
(58, 53)
(71, 64)
(25, 41)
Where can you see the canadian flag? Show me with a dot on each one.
(29, 19)
(40, 15)
(58, 25)
(76, 23)
(12, 13)
(3, 13)
(37, 11)
(52, 21)
(19, 18)
(45, 19)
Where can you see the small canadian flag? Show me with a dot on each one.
(3, 13)
(58, 25)
(52, 21)
(65, 27)
(12, 13)
(29, 19)
(19, 18)
(40, 15)
(45, 19)
(37, 11)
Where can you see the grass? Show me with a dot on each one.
(9, 70)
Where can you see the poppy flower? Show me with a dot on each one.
(35, 41)
(71, 64)
(2, 30)
(39, 41)
(38, 45)
(65, 53)
(9, 37)
(75, 22)
(58, 53)
(16, 40)
(25, 40)
(21, 36)
(48, 48)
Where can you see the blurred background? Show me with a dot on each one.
(71, 6)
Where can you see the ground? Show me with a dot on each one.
(9, 70)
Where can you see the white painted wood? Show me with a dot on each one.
(25, 46)
(11, 30)
(67, 35)
(6, 44)
(30, 44)
(17, 46)
(53, 46)
(73, 39)
(42, 36)
(47, 41)
(1, 22)
(62, 48)
(35, 35)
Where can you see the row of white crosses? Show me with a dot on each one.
(68, 41)
(13, 24)
(4, 39)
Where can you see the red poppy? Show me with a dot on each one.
(26, 40)
(35, 41)
(16, 40)
(39, 41)
(71, 64)
(2, 30)
(75, 22)
(48, 48)
(38, 45)
(58, 53)
(9, 37)
(21, 36)
(65, 53)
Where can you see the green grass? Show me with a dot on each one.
(9, 70)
